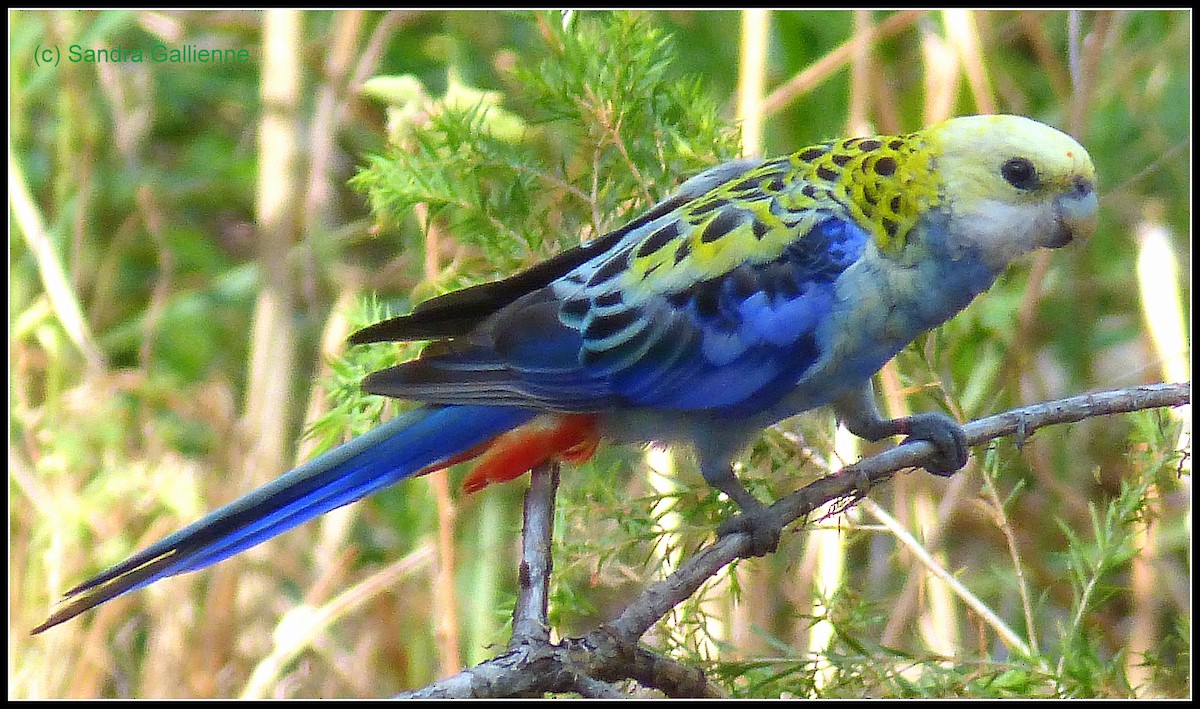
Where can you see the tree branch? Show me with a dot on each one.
(530, 620)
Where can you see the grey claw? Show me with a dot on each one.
(763, 528)
(946, 435)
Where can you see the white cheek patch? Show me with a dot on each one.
(1003, 231)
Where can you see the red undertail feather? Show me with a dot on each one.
(547, 438)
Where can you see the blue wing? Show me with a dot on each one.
(731, 344)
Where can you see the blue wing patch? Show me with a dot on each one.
(732, 344)
(736, 343)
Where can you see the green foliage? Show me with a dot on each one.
(351, 412)
(619, 128)
(1097, 565)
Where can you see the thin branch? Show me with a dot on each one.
(553, 180)
(1014, 551)
(824, 67)
(960, 489)
(615, 133)
(1007, 634)
(530, 619)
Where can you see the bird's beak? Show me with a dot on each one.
(1076, 212)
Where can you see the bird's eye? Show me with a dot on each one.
(1020, 173)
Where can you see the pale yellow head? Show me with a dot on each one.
(1012, 184)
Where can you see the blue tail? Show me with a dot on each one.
(398, 449)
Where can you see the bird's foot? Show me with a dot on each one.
(945, 434)
(762, 526)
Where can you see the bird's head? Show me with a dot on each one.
(1011, 184)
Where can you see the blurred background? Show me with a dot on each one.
(192, 240)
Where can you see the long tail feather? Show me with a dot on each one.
(416, 442)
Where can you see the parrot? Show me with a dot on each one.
(759, 289)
